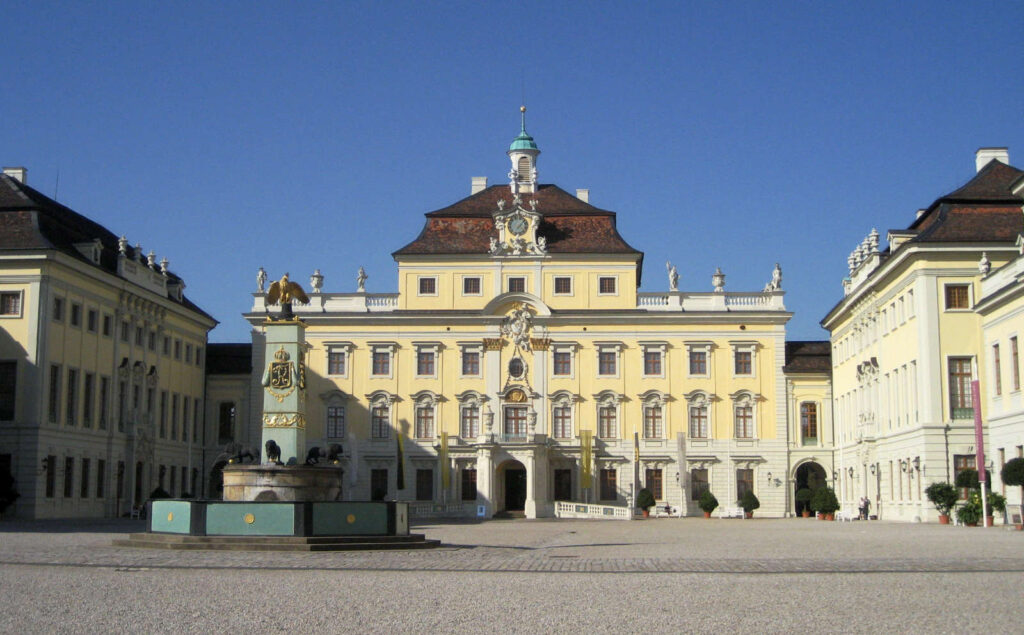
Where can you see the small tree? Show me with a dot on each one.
(707, 501)
(996, 502)
(645, 499)
(803, 495)
(824, 501)
(749, 501)
(970, 512)
(968, 478)
(943, 496)
(1013, 473)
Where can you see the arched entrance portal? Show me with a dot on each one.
(809, 475)
(512, 483)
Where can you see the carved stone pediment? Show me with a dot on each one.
(517, 229)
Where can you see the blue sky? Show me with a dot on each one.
(301, 135)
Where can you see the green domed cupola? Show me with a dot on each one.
(523, 153)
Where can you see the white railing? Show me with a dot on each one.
(564, 509)
(748, 300)
(645, 300)
(382, 301)
(428, 509)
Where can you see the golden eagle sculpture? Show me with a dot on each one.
(285, 291)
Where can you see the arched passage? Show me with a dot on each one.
(511, 486)
(810, 475)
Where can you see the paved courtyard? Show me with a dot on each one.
(665, 575)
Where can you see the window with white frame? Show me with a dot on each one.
(427, 285)
(743, 415)
(10, 303)
(653, 412)
(471, 285)
(698, 419)
(426, 358)
(562, 404)
(744, 358)
(472, 352)
(381, 404)
(608, 358)
(469, 421)
(562, 359)
(336, 414)
(338, 358)
(958, 297)
(425, 419)
(698, 358)
(607, 404)
(563, 285)
(516, 284)
(654, 358)
(381, 354)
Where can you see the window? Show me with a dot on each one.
(608, 490)
(652, 422)
(76, 314)
(378, 484)
(470, 363)
(515, 422)
(101, 477)
(69, 476)
(8, 389)
(58, 309)
(188, 352)
(470, 423)
(151, 340)
(744, 414)
(699, 421)
(562, 363)
(960, 402)
(163, 413)
(424, 485)
(563, 285)
(997, 373)
(53, 411)
(428, 286)
(744, 482)
(1015, 363)
(468, 485)
(139, 335)
(335, 362)
(606, 363)
(199, 355)
(809, 422)
(743, 363)
(698, 482)
(122, 405)
(72, 405)
(177, 349)
(561, 422)
(957, 296)
(84, 481)
(10, 303)
(425, 363)
(471, 286)
(563, 484)
(425, 422)
(92, 320)
(606, 285)
(104, 399)
(652, 363)
(380, 427)
(654, 483)
(196, 409)
(516, 285)
(108, 324)
(184, 418)
(167, 346)
(606, 417)
(125, 328)
(962, 462)
(336, 422)
(381, 362)
(516, 368)
(698, 362)
(51, 475)
(88, 388)
(174, 417)
(225, 420)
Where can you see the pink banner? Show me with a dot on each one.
(979, 437)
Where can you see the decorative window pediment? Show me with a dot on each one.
(700, 398)
(609, 398)
(333, 396)
(655, 398)
(745, 398)
(472, 398)
(564, 398)
(382, 398)
(427, 398)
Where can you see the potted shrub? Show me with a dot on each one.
(968, 478)
(645, 501)
(1013, 474)
(944, 497)
(749, 503)
(996, 503)
(970, 512)
(803, 495)
(707, 503)
(824, 502)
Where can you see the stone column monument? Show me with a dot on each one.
(284, 394)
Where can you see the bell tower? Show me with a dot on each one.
(523, 154)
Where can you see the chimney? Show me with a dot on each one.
(18, 174)
(583, 195)
(984, 155)
(479, 184)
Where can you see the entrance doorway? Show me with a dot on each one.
(563, 485)
(809, 475)
(515, 489)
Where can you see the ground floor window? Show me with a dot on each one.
(378, 484)
(608, 488)
(961, 462)
(563, 485)
(653, 480)
(698, 482)
(469, 485)
(744, 482)
(424, 485)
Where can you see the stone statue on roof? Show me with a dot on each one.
(673, 276)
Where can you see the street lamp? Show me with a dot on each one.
(917, 464)
(850, 471)
(872, 469)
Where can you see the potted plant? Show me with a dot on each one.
(1013, 474)
(645, 501)
(944, 497)
(970, 512)
(996, 503)
(824, 502)
(707, 503)
(749, 503)
(803, 495)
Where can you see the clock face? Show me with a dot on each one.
(517, 225)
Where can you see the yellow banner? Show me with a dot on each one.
(445, 472)
(586, 456)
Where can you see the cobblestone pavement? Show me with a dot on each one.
(670, 574)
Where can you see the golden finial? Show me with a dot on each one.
(522, 109)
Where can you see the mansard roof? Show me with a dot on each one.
(985, 209)
(811, 356)
(570, 225)
(229, 359)
(30, 220)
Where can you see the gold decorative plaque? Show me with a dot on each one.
(515, 396)
(350, 519)
(249, 519)
(281, 420)
(170, 516)
(493, 344)
(540, 343)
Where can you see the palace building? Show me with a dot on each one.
(101, 364)
(519, 365)
(916, 324)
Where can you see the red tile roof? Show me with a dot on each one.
(808, 357)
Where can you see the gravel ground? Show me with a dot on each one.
(667, 575)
